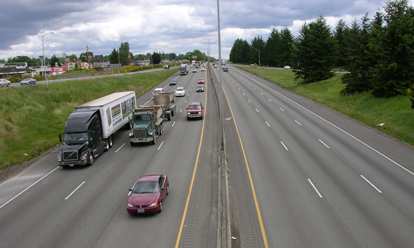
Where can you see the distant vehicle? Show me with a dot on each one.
(180, 91)
(251, 65)
(203, 69)
(4, 83)
(148, 194)
(166, 66)
(287, 67)
(173, 82)
(200, 88)
(183, 69)
(200, 81)
(224, 68)
(90, 128)
(215, 66)
(195, 110)
(157, 91)
(28, 81)
(194, 70)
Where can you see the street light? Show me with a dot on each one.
(259, 54)
(44, 61)
(208, 51)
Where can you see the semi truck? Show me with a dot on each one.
(147, 121)
(90, 128)
(183, 69)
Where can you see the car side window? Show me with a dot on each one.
(161, 181)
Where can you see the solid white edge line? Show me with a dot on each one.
(298, 123)
(160, 146)
(323, 143)
(74, 191)
(120, 148)
(284, 145)
(28, 188)
(340, 129)
(371, 184)
(315, 188)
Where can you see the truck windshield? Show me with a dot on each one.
(75, 137)
(142, 118)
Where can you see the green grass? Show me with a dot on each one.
(31, 118)
(395, 112)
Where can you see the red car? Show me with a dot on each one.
(201, 81)
(195, 110)
(148, 194)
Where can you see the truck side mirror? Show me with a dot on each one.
(60, 138)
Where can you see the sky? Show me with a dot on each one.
(168, 26)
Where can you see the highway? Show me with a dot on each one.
(48, 206)
(304, 175)
(301, 175)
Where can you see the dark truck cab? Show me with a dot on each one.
(82, 139)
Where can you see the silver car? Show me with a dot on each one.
(4, 83)
(28, 81)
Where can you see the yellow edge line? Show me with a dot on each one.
(266, 244)
(177, 243)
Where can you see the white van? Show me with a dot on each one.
(157, 91)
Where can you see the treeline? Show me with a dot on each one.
(378, 53)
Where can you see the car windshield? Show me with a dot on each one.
(142, 118)
(194, 107)
(145, 188)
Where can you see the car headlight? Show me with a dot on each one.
(154, 204)
(129, 205)
(150, 133)
(131, 133)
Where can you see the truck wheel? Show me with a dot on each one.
(169, 117)
(172, 113)
(110, 141)
(91, 159)
(159, 211)
(132, 143)
(161, 129)
(106, 145)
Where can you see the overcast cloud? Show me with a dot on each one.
(169, 26)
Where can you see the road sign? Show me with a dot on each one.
(255, 64)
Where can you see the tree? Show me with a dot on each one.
(317, 51)
(73, 58)
(123, 53)
(394, 73)
(340, 33)
(257, 44)
(272, 49)
(359, 59)
(156, 58)
(54, 61)
(286, 48)
(240, 52)
(113, 58)
(84, 57)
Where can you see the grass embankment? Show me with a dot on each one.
(32, 117)
(395, 112)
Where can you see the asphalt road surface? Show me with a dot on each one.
(303, 175)
(48, 206)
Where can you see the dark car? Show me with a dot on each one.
(173, 82)
(28, 81)
(200, 81)
(224, 68)
(148, 194)
(195, 110)
(200, 88)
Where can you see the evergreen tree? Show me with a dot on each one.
(113, 58)
(271, 48)
(340, 33)
(123, 53)
(395, 71)
(317, 51)
(286, 48)
(257, 45)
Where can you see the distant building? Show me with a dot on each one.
(16, 65)
(98, 58)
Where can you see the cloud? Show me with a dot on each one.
(174, 26)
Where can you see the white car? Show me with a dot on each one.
(4, 83)
(286, 67)
(203, 69)
(180, 91)
(157, 91)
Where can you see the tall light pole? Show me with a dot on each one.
(208, 51)
(43, 45)
(119, 63)
(259, 54)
